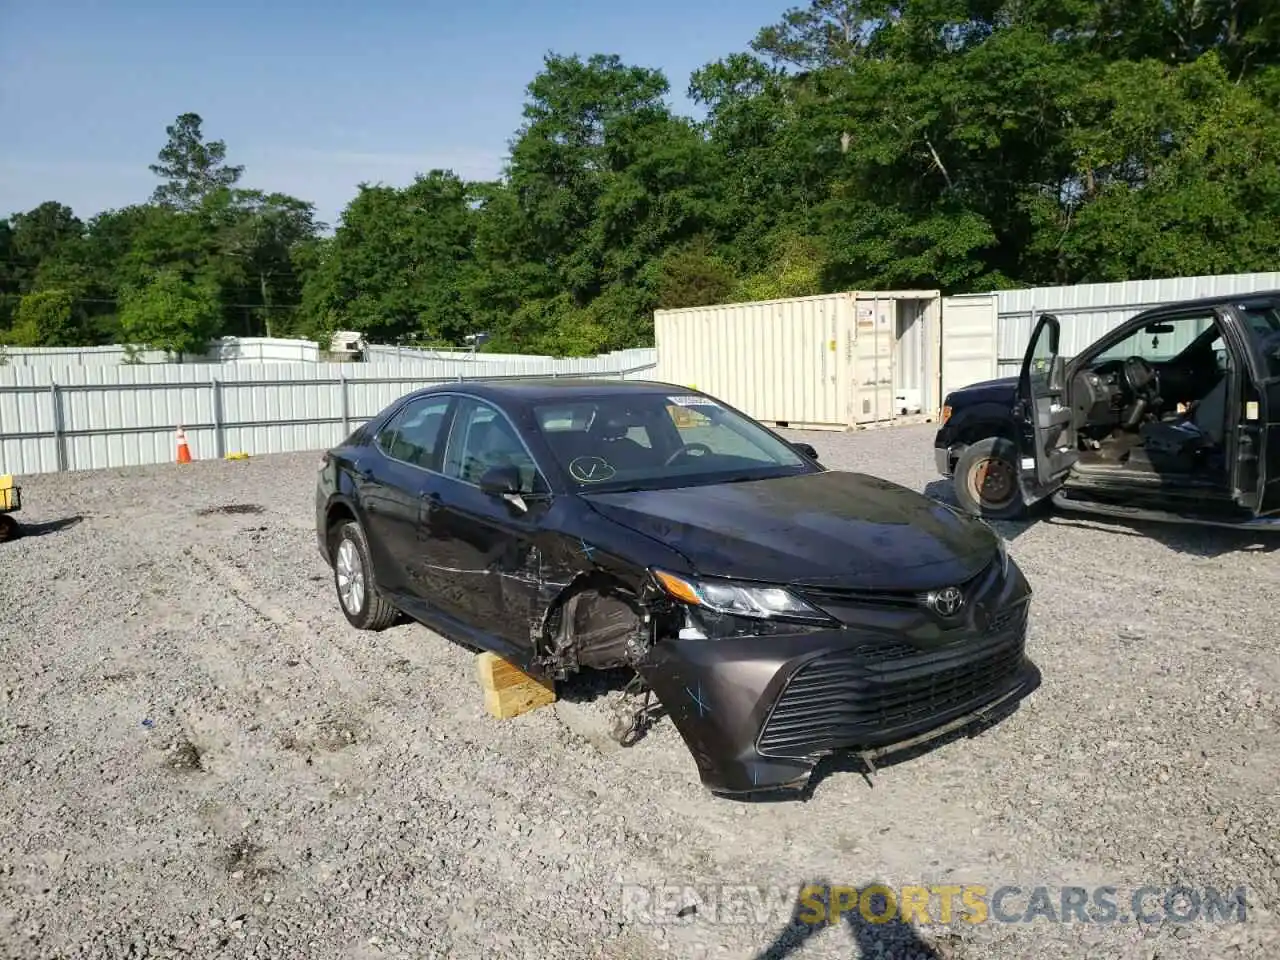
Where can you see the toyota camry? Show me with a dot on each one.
(780, 612)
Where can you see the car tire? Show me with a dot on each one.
(364, 607)
(986, 480)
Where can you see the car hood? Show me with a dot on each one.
(830, 528)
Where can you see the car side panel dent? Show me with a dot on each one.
(592, 607)
(589, 612)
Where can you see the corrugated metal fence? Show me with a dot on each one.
(90, 417)
(226, 350)
(518, 363)
(1090, 310)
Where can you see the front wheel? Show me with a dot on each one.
(986, 480)
(361, 602)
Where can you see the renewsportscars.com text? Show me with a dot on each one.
(816, 904)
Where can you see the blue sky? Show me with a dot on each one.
(311, 97)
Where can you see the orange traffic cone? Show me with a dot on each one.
(184, 451)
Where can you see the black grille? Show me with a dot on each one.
(858, 697)
(894, 599)
(863, 598)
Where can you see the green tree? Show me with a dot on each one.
(602, 181)
(1159, 192)
(191, 168)
(398, 263)
(38, 237)
(49, 318)
(172, 314)
(256, 241)
(693, 275)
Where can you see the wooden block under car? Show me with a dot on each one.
(509, 691)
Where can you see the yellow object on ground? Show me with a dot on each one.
(237, 456)
(509, 691)
(8, 493)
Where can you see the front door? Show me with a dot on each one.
(1047, 443)
(488, 569)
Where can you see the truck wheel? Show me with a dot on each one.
(986, 480)
(8, 528)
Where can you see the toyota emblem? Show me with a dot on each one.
(947, 601)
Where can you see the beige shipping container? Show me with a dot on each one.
(833, 361)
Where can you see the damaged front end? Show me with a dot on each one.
(763, 682)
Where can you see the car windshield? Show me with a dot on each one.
(1263, 321)
(651, 440)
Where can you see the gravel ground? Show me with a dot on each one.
(199, 757)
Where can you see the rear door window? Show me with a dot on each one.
(413, 435)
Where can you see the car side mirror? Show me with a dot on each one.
(503, 482)
(807, 449)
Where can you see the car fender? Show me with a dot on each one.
(344, 499)
(583, 570)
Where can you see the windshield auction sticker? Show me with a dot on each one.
(692, 401)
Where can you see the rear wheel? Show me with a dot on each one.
(8, 528)
(986, 480)
(358, 596)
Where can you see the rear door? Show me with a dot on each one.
(1255, 476)
(1047, 442)
(1268, 486)
(396, 490)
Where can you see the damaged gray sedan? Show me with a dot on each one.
(779, 611)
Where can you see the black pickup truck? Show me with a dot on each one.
(1172, 416)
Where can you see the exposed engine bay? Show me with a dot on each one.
(1130, 415)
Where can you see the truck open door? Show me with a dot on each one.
(1047, 439)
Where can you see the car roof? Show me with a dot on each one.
(550, 389)
(1218, 300)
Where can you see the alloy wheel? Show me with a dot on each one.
(349, 570)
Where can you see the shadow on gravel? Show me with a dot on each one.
(1194, 540)
(586, 686)
(633, 716)
(48, 526)
(880, 938)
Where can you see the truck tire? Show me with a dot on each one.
(986, 480)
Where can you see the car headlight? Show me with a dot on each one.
(759, 601)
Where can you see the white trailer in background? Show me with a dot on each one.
(835, 361)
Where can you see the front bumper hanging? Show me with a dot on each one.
(759, 714)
